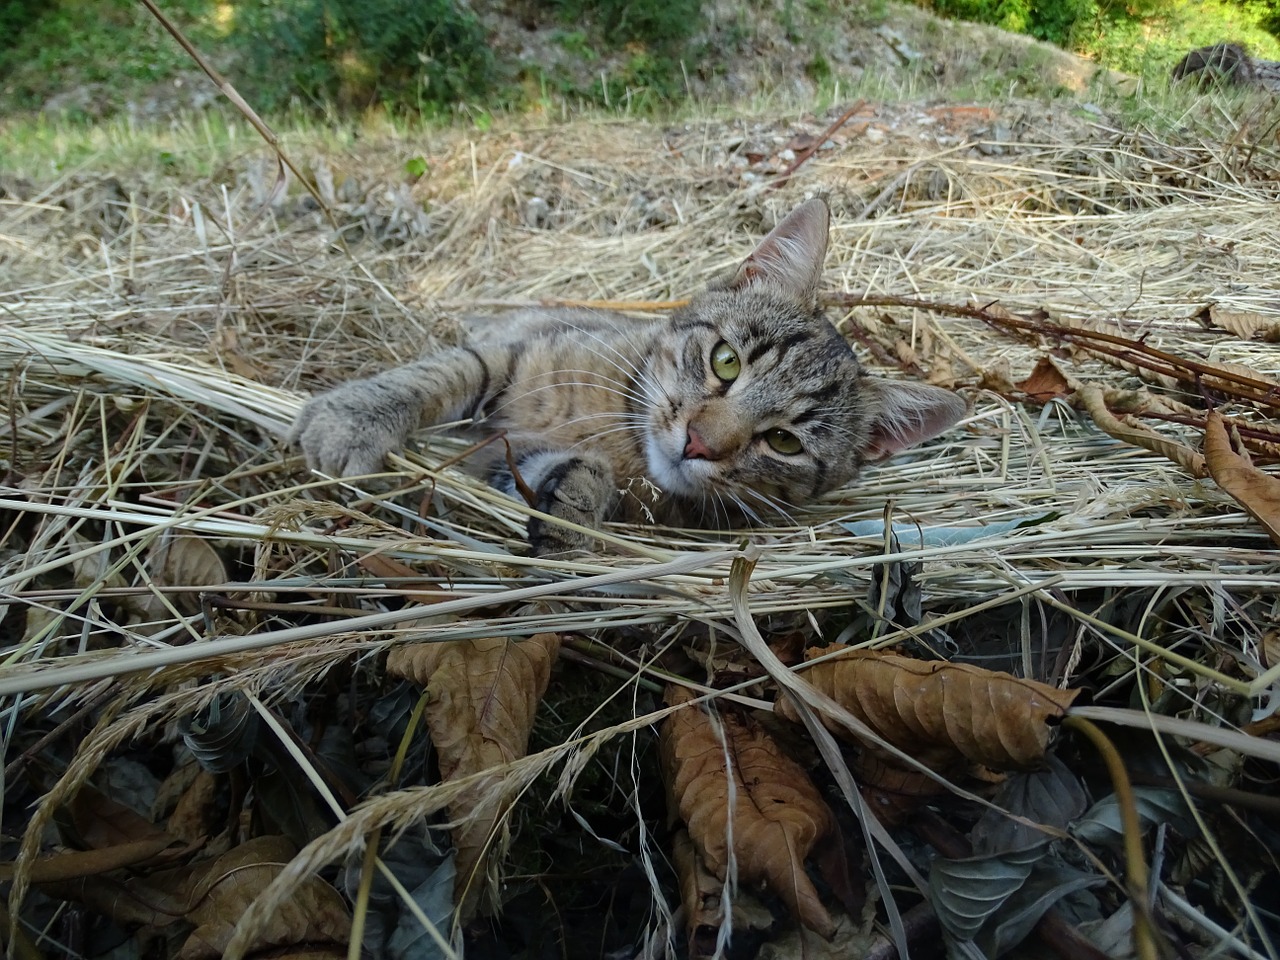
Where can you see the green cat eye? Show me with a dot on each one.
(783, 441)
(725, 363)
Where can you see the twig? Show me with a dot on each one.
(809, 151)
(1136, 352)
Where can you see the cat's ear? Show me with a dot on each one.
(907, 413)
(790, 257)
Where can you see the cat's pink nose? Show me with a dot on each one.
(695, 448)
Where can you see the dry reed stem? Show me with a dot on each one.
(147, 386)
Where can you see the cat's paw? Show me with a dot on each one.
(577, 490)
(346, 432)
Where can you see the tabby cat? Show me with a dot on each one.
(745, 402)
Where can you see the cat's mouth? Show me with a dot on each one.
(672, 471)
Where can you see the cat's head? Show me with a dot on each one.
(758, 398)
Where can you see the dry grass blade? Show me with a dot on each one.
(159, 336)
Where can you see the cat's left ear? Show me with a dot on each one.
(907, 413)
(790, 257)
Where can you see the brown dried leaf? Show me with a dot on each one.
(1245, 324)
(98, 822)
(176, 559)
(778, 814)
(701, 894)
(1228, 387)
(1257, 492)
(196, 812)
(89, 863)
(483, 695)
(314, 915)
(936, 710)
(1046, 382)
(389, 568)
(1129, 430)
(186, 559)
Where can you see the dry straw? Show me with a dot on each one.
(154, 350)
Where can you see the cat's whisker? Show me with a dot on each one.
(775, 503)
(632, 371)
(588, 441)
(745, 508)
(561, 384)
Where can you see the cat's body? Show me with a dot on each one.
(744, 402)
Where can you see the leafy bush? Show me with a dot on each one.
(1138, 35)
(421, 53)
(1051, 20)
(662, 24)
(47, 48)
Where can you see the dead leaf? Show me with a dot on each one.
(314, 916)
(935, 710)
(226, 346)
(778, 815)
(196, 813)
(96, 821)
(1257, 492)
(483, 695)
(1045, 383)
(186, 559)
(405, 577)
(997, 378)
(1246, 324)
(88, 863)
(1129, 430)
(701, 894)
(176, 559)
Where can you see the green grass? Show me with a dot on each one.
(114, 43)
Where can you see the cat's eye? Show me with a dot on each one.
(783, 441)
(725, 363)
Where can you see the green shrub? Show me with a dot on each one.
(1051, 20)
(423, 54)
(48, 48)
(1140, 36)
(661, 24)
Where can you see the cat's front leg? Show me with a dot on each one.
(575, 487)
(349, 430)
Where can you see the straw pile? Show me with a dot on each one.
(159, 337)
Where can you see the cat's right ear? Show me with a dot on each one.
(905, 413)
(791, 256)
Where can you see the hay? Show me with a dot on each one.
(159, 337)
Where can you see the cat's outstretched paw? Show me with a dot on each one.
(575, 489)
(346, 432)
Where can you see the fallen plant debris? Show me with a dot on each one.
(1257, 492)
(250, 710)
(749, 809)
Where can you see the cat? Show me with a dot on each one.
(745, 402)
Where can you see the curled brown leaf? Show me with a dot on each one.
(743, 799)
(313, 916)
(482, 698)
(1257, 492)
(939, 711)
(1140, 435)
(700, 894)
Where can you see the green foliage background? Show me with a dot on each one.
(1131, 35)
(427, 56)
